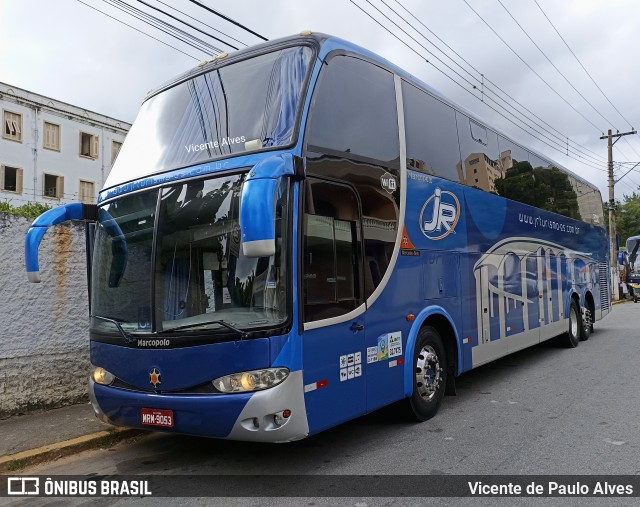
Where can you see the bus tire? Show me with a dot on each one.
(587, 325)
(429, 374)
(575, 325)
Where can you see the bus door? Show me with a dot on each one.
(333, 313)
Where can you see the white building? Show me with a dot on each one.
(52, 152)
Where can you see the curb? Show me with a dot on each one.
(101, 439)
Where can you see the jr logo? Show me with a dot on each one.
(443, 208)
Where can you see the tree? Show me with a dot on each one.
(628, 217)
(548, 188)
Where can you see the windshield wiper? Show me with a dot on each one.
(127, 337)
(243, 334)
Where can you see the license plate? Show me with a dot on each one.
(156, 417)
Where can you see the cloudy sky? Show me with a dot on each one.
(66, 50)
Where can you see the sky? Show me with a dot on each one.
(68, 51)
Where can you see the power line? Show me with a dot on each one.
(456, 82)
(219, 14)
(531, 68)
(202, 22)
(581, 65)
(164, 27)
(138, 30)
(561, 136)
(589, 75)
(187, 24)
(554, 66)
(561, 145)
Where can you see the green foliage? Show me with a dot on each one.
(29, 210)
(543, 187)
(628, 217)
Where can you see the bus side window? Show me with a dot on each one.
(480, 164)
(352, 136)
(589, 201)
(432, 138)
(332, 262)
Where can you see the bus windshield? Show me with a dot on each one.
(187, 263)
(245, 106)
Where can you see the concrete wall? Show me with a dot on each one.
(44, 338)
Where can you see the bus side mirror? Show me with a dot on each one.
(257, 205)
(72, 211)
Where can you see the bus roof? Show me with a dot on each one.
(326, 44)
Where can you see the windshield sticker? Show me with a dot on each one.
(211, 145)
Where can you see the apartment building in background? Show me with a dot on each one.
(53, 152)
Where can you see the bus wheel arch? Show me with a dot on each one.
(432, 321)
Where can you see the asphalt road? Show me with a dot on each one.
(546, 410)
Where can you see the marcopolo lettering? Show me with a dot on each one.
(154, 343)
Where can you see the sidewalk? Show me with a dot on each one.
(49, 434)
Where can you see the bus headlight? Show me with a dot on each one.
(102, 376)
(247, 381)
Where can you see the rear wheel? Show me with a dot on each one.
(587, 325)
(429, 374)
(575, 324)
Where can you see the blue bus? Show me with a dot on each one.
(300, 233)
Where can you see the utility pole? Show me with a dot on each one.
(613, 258)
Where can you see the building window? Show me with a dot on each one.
(51, 136)
(53, 186)
(115, 149)
(87, 194)
(11, 179)
(88, 145)
(12, 126)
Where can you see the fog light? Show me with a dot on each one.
(102, 376)
(280, 418)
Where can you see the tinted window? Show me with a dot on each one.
(511, 152)
(545, 187)
(332, 263)
(589, 201)
(354, 111)
(244, 106)
(432, 139)
(480, 164)
(121, 281)
(353, 137)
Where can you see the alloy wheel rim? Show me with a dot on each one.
(428, 373)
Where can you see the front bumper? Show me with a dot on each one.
(247, 416)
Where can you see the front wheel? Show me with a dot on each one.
(429, 374)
